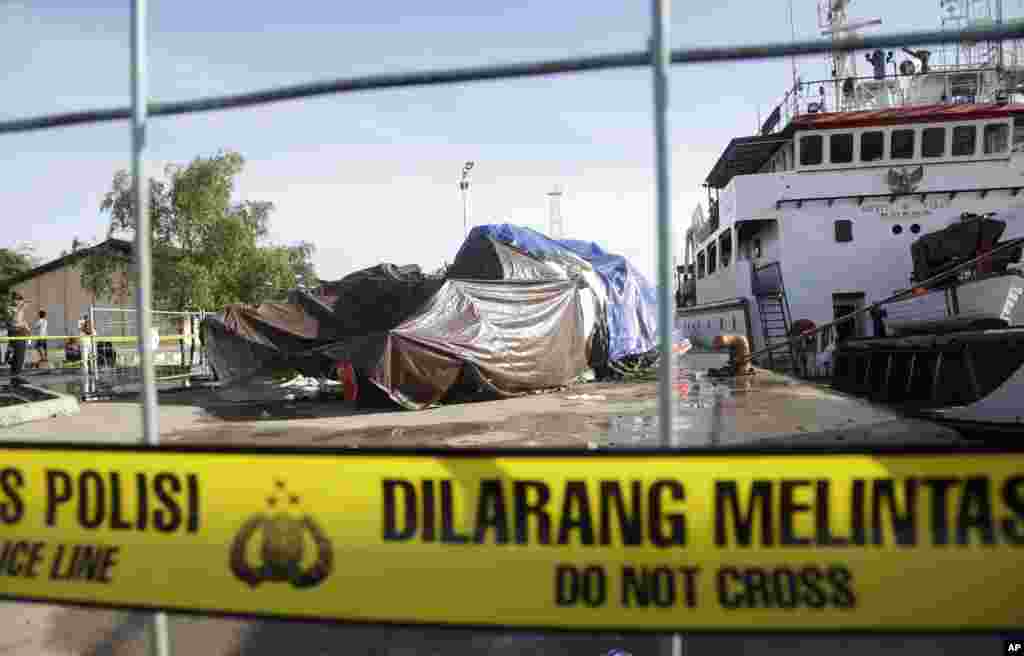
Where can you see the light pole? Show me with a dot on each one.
(464, 187)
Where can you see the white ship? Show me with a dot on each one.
(814, 217)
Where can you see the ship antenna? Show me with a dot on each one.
(792, 30)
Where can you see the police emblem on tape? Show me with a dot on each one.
(281, 541)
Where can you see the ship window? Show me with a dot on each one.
(712, 258)
(933, 142)
(901, 145)
(725, 247)
(844, 230)
(701, 260)
(840, 148)
(872, 146)
(1018, 134)
(810, 150)
(964, 137)
(756, 250)
(734, 323)
(915, 228)
(897, 229)
(997, 138)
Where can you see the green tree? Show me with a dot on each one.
(207, 250)
(13, 261)
(301, 258)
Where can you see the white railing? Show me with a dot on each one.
(941, 85)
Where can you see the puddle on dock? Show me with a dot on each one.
(594, 416)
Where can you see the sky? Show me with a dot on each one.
(372, 177)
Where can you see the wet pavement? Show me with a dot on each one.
(764, 409)
(708, 412)
(727, 413)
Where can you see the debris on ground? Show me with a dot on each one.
(586, 397)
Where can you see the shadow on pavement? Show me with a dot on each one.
(275, 638)
(81, 632)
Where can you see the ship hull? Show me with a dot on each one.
(975, 376)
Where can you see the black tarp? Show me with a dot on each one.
(245, 339)
(962, 241)
(484, 258)
(371, 300)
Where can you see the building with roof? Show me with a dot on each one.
(57, 287)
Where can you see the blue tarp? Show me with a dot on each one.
(632, 303)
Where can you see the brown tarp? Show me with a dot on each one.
(507, 337)
(251, 321)
(246, 339)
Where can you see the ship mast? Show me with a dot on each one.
(833, 20)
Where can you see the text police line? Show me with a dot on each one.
(165, 501)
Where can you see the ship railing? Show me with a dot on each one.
(960, 83)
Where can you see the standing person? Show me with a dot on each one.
(86, 333)
(39, 330)
(3, 345)
(197, 345)
(18, 328)
(184, 328)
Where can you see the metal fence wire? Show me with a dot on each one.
(657, 56)
(114, 366)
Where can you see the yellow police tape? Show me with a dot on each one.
(740, 542)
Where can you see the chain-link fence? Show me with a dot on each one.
(113, 363)
(656, 57)
(102, 356)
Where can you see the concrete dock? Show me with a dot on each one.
(766, 409)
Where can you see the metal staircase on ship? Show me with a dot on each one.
(773, 311)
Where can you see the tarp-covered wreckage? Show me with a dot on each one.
(246, 339)
(516, 312)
